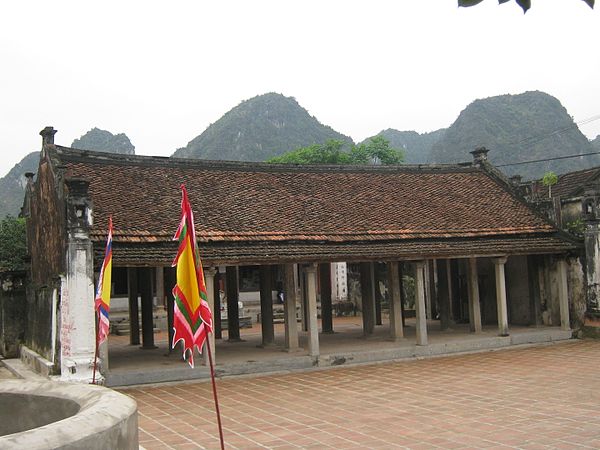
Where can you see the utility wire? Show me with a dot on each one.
(547, 159)
(535, 139)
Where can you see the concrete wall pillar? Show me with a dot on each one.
(395, 299)
(311, 294)
(563, 294)
(473, 294)
(289, 308)
(209, 281)
(421, 311)
(501, 295)
(368, 302)
(266, 306)
(77, 315)
(326, 301)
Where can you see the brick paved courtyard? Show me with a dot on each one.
(531, 398)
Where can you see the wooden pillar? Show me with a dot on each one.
(473, 294)
(563, 294)
(444, 298)
(217, 310)
(266, 306)
(170, 282)
(160, 286)
(402, 296)
(368, 303)
(501, 296)
(145, 283)
(311, 297)
(420, 303)
(303, 298)
(209, 281)
(134, 312)
(395, 299)
(289, 308)
(233, 312)
(326, 307)
(376, 292)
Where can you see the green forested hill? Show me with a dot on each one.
(523, 127)
(12, 186)
(416, 147)
(258, 129)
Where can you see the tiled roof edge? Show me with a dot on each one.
(506, 184)
(68, 154)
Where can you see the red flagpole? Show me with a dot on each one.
(96, 352)
(214, 387)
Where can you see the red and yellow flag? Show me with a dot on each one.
(102, 301)
(192, 318)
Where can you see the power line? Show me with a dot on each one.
(547, 159)
(529, 141)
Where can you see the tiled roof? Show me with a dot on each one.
(255, 207)
(569, 184)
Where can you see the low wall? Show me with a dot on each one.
(51, 415)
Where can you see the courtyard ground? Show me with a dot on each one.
(534, 397)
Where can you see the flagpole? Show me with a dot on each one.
(96, 352)
(214, 387)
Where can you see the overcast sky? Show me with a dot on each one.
(161, 72)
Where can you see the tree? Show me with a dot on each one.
(550, 179)
(329, 153)
(376, 151)
(13, 247)
(525, 4)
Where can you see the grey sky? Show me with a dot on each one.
(161, 72)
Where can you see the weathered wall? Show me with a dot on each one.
(45, 228)
(577, 291)
(487, 291)
(517, 291)
(41, 319)
(13, 313)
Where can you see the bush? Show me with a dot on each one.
(13, 246)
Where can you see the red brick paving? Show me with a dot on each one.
(527, 398)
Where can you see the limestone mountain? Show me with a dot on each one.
(517, 128)
(12, 186)
(104, 141)
(416, 146)
(258, 129)
(596, 143)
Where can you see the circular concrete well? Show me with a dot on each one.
(49, 415)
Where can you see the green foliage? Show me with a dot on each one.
(13, 246)
(576, 227)
(416, 147)
(329, 153)
(550, 179)
(376, 151)
(525, 4)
